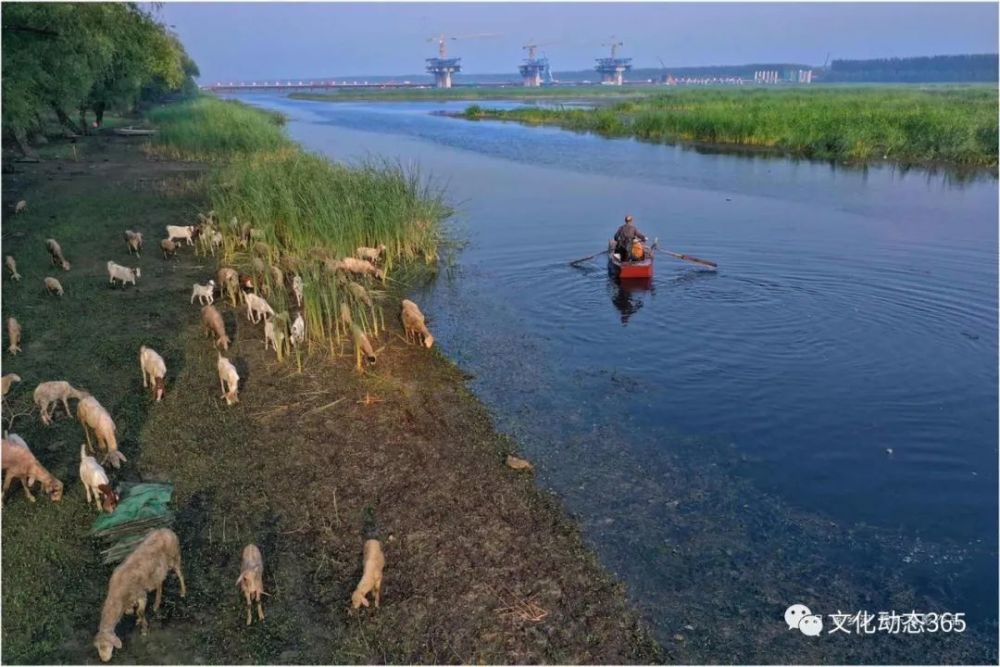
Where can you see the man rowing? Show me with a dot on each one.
(625, 238)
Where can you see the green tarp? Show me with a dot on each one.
(142, 508)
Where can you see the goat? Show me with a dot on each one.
(362, 346)
(211, 318)
(251, 579)
(8, 380)
(48, 394)
(93, 416)
(229, 380)
(123, 273)
(13, 335)
(144, 570)
(134, 242)
(56, 253)
(203, 292)
(96, 483)
(182, 232)
(154, 370)
(297, 287)
(257, 306)
(19, 463)
(53, 286)
(361, 266)
(371, 577)
(298, 330)
(12, 267)
(168, 247)
(21, 207)
(370, 254)
(413, 324)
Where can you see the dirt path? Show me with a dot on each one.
(481, 566)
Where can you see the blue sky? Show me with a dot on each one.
(268, 40)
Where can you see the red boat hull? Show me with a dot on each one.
(642, 270)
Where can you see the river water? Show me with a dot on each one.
(816, 422)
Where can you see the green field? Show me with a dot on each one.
(947, 125)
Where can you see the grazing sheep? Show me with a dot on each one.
(345, 314)
(229, 380)
(211, 318)
(96, 483)
(12, 268)
(371, 254)
(13, 336)
(297, 287)
(229, 284)
(277, 276)
(413, 324)
(298, 330)
(203, 292)
(269, 338)
(154, 370)
(361, 267)
(371, 577)
(49, 394)
(332, 266)
(188, 233)
(251, 579)
(144, 570)
(134, 242)
(359, 292)
(56, 253)
(93, 417)
(123, 273)
(19, 463)
(53, 286)
(246, 284)
(256, 306)
(168, 247)
(20, 207)
(262, 248)
(515, 463)
(362, 346)
(8, 380)
(215, 241)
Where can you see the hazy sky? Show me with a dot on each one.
(268, 40)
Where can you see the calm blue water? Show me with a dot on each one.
(835, 383)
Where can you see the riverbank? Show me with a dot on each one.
(954, 126)
(481, 565)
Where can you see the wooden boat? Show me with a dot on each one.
(629, 270)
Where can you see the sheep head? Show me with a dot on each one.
(159, 388)
(106, 641)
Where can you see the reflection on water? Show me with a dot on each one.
(727, 451)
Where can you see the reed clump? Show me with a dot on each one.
(951, 125)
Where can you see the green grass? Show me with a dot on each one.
(952, 125)
(210, 129)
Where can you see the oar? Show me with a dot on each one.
(686, 258)
(584, 259)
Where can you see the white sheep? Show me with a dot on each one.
(251, 579)
(13, 335)
(18, 462)
(269, 338)
(360, 266)
(297, 287)
(216, 241)
(204, 292)
(371, 254)
(298, 330)
(53, 286)
(93, 416)
(144, 570)
(96, 483)
(48, 394)
(413, 324)
(186, 232)
(123, 273)
(12, 268)
(7, 381)
(56, 253)
(134, 242)
(21, 207)
(371, 575)
(257, 306)
(229, 380)
(154, 370)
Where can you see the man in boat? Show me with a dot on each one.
(624, 238)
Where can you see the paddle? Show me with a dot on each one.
(686, 258)
(584, 259)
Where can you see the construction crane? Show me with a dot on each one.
(612, 69)
(533, 70)
(443, 39)
(614, 46)
(443, 67)
(534, 45)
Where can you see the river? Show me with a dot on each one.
(816, 422)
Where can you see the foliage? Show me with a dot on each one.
(953, 125)
(209, 129)
(962, 68)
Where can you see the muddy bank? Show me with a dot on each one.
(481, 565)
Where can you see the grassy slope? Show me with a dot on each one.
(294, 467)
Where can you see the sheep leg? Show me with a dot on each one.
(378, 591)
(27, 489)
(260, 608)
(140, 613)
(180, 576)
(7, 479)
(246, 594)
(86, 487)
(86, 432)
(159, 596)
(65, 402)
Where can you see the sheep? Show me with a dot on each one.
(360, 266)
(362, 346)
(8, 380)
(370, 254)
(413, 324)
(297, 287)
(154, 370)
(371, 577)
(12, 268)
(168, 247)
(345, 314)
(93, 416)
(123, 273)
(229, 284)
(13, 335)
(48, 394)
(269, 338)
(251, 580)
(360, 293)
(134, 242)
(19, 463)
(277, 276)
(215, 241)
(515, 463)
(20, 207)
(229, 380)
(96, 483)
(144, 570)
(53, 286)
(257, 306)
(298, 330)
(56, 253)
(203, 292)
(188, 233)
(211, 318)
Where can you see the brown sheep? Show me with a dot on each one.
(19, 463)
(371, 577)
(93, 417)
(211, 318)
(413, 324)
(251, 580)
(53, 286)
(56, 253)
(168, 247)
(13, 335)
